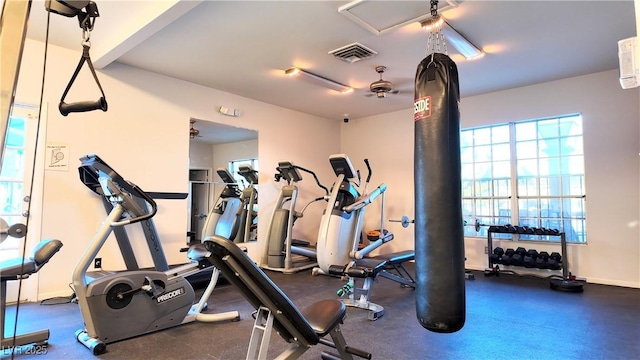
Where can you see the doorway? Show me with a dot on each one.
(15, 184)
(200, 197)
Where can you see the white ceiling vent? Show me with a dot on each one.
(352, 53)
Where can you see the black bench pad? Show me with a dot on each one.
(367, 267)
(324, 315)
(13, 267)
(396, 257)
(370, 267)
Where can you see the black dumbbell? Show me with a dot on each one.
(541, 260)
(555, 261)
(553, 232)
(494, 228)
(506, 257)
(530, 257)
(518, 257)
(539, 231)
(528, 230)
(496, 256)
(508, 228)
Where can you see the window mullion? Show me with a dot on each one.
(514, 177)
(560, 190)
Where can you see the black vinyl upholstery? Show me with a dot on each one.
(259, 290)
(324, 315)
(397, 257)
(13, 268)
(21, 268)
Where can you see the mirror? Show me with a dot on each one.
(224, 203)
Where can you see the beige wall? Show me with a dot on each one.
(223, 153)
(141, 137)
(200, 155)
(144, 136)
(611, 141)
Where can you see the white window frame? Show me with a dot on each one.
(516, 194)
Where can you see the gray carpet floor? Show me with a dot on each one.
(507, 317)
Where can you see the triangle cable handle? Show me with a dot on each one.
(82, 106)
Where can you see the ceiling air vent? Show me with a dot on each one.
(352, 53)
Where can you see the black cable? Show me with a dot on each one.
(24, 244)
(63, 299)
(57, 300)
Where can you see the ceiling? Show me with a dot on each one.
(243, 47)
(214, 133)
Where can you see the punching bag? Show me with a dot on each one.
(439, 241)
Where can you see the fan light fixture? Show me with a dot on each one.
(319, 80)
(193, 132)
(457, 40)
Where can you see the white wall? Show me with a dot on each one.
(144, 136)
(611, 141)
(223, 153)
(306, 228)
(387, 141)
(141, 137)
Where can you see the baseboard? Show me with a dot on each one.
(591, 280)
(628, 284)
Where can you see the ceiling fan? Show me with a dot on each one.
(381, 87)
(193, 132)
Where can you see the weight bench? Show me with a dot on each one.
(19, 268)
(390, 266)
(275, 310)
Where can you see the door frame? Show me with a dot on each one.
(209, 172)
(29, 291)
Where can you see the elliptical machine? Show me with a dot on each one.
(124, 304)
(282, 253)
(340, 251)
(341, 225)
(249, 198)
(223, 219)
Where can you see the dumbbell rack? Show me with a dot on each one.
(565, 282)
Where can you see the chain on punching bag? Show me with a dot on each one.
(439, 241)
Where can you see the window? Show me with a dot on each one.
(234, 166)
(12, 177)
(528, 173)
